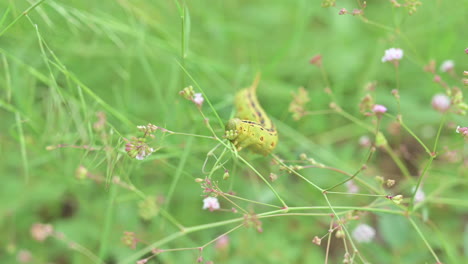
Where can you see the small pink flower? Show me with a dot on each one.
(392, 54)
(352, 187)
(365, 141)
(222, 242)
(343, 11)
(211, 203)
(41, 231)
(447, 65)
(441, 102)
(198, 99)
(142, 261)
(379, 109)
(363, 233)
(462, 130)
(466, 50)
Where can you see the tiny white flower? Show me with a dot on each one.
(140, 156)
(441, 102)
(363, 233)
(364, 141)
(211, 203)
(392, 54)
(352, 187)
(447, 66)
(198, 99)
(419, 196)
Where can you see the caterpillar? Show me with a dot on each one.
(251, 128)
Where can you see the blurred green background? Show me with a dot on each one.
(66, 61)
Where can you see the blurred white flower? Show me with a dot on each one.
(352, 187)
(363, 233)
(41, 231)
(419, 196)
(365, 141)
(447, 66)
(441, 102)
(222, 242)
(198, 99)
(392, 55)
(211, 203)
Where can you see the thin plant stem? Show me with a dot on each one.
(424, 239)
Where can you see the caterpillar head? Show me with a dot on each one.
(231, 128)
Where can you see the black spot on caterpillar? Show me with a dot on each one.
(251, 128)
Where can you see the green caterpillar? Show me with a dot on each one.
(251, 128)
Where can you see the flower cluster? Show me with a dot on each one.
(367, 107)
(137, 148)
(297, 106)
(41, 232)
(211, 203)
(392, 55)
(462, 130)
(130, 240)
(189, 94)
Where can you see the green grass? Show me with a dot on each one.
(77, 77)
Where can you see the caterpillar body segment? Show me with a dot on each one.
(251, 128)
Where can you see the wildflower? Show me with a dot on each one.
(441, 102)
(226, 175)
(142, 261)
(352, 187)
(41, 231)
(447, 66)
(343, 11)
(340, 234)
(222, 243)
(379, 109)
(211, 203)
(363, 233)
(419, 196)
(297, 105)
(392, 54)
(316, 60)
(187, 92)
(357, 12)
(316, 240)
(390, 182)
(130, 240)
(273, 177)
(81, 172)
(397, 198)
(24, 256)
(365, 141)
(365, 105)
(198, 99)
(462, 130)
(137, 148)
